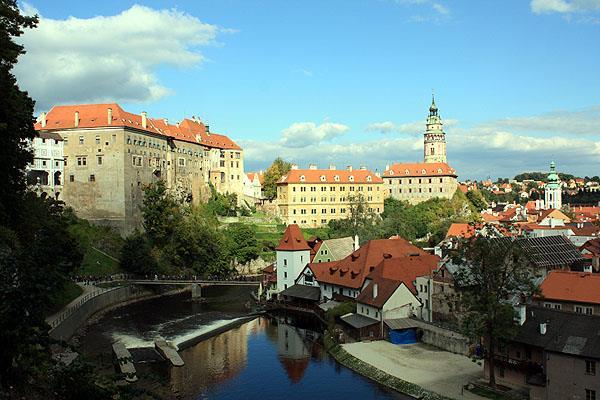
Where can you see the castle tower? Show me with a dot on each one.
(293, 253)
(435, 138)
(553, 192)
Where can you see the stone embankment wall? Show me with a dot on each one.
(76, 318)
(445, 339)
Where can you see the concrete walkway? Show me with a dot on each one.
(436, 370)
(87, 289)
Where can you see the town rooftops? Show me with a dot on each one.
(571, 286)
(292, 240)
(592, 246)
(88, 116)
(461, 230)
(400, 170)
(329, 176)
(352, 270)
(565, 332)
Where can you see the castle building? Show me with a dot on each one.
(418, 182)
(313, 197)
(553, 191)
(45, 174)
(110, 155)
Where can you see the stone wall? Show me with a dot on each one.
(67, 327)
(445, 339)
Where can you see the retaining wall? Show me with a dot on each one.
(76, 318)
(445, 339)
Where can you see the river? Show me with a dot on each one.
(275, 357)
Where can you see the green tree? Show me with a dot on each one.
(243, 243)
(491, 271)
(272, 175)
(477, 200)
(137, 257)
(224, 205)
(161, 213)
(360, 221)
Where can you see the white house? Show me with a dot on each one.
(46, 172)
(293, 254)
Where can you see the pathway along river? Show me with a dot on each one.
(276, 357)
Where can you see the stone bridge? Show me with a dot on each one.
(196, 285)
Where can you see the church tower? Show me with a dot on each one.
(435, 138)
(553, 192)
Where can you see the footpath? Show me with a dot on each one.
(434, 370)
(85, 294)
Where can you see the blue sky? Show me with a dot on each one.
(344, 82)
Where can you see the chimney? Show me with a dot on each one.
(375, 290)
(43, 119)
(543, 328)
(144, 120)
(109, 116)
(166, 121)
(76, 119)
(378, 174)
(312, 166)
(294, 166)
(207, 129)
(356, 242)
(349, 168)
(387, 166)
(363, 168)
(331, 167)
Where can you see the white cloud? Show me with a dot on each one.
(416, 128)
(580, 122)
(564, 6)
(109, 58)
(303, 134)
(436, 12)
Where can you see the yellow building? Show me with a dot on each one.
(111, 154)
(313, 197)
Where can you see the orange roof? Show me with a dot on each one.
(352, 270)
(461, 230)
(96, 116)
(253, 175)
(571, 286)
(329, 176)
(463, 188)
(592, 245)
(292, 240)
(530, 205)
(419, 169)
(487, 217)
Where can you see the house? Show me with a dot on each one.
(292, 253)
(389, 293)
(345, 278)
(335, 249)
(46, 172)
(253, 186)
(312, 197)
(591, 251)
(554, 356)
(577, 292)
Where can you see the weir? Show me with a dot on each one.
(168, 352)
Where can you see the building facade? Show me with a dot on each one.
(313, 197)
(46, 173)
(110, 155)
(418, 182)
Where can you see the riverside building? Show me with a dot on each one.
(418, 182)
(110, 155)
(312, 197)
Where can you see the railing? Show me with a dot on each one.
(66, 313)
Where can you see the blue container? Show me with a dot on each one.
(403, 336)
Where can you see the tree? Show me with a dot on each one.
(360, 221)
(272, 175)
(136, 255)
(491, 271)
(477, 200)
(243, 244)
(161, 213)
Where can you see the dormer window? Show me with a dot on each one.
(439, 170)
(369, 179)
(302, 178)
(323, 179)
(406, 171)
(351, 178)
(336, 178)
(423, 172)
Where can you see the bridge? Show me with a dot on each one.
(187, 282)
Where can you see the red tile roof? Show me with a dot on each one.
(390, 273)
(487, 217)
(571, 286)
(292, 240)
(461, 230)
(419, 169)
(593, 246)
(253, 175)
(329, 176)
(352, 270)
(96, 116)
